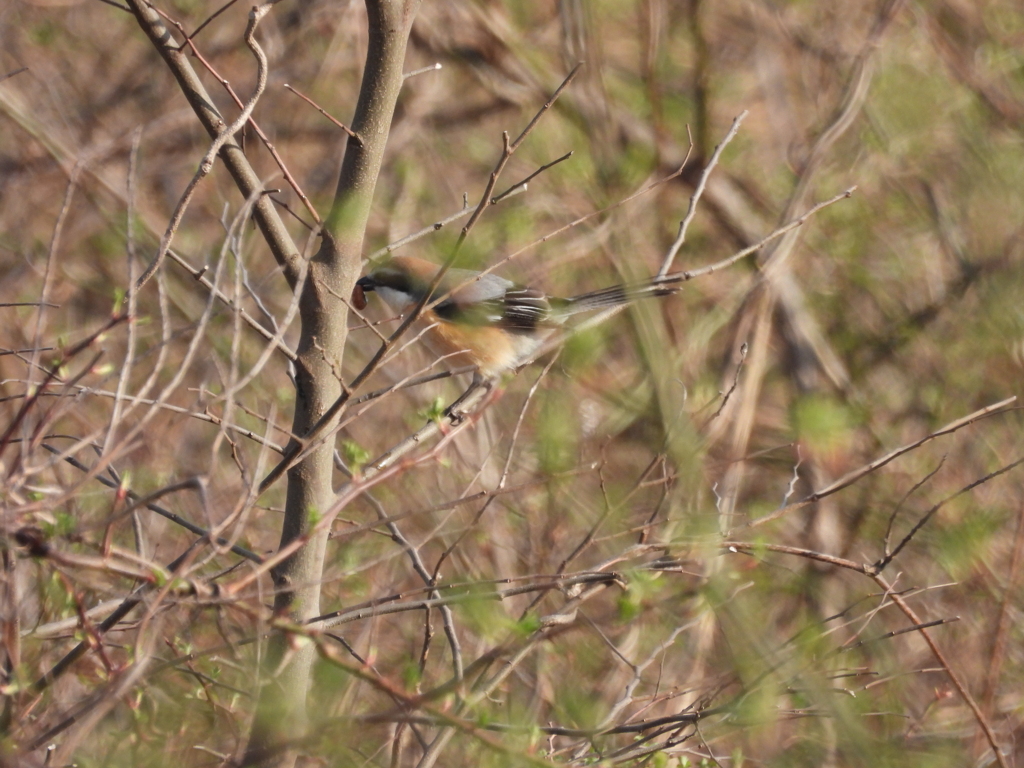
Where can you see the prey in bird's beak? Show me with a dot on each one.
(363, 286)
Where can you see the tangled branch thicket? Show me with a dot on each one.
(773, 519)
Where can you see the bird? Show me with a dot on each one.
(484, 320)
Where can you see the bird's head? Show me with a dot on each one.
(400, 281)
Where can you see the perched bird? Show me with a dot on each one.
(485, 320)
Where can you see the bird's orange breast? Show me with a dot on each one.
(492, 350)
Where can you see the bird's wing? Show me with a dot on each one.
(496, 302)
(525, 309)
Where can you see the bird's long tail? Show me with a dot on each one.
(622, 294)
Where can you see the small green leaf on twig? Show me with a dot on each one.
(434, 411)
(355, 455)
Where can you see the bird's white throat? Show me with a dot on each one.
(400, 301)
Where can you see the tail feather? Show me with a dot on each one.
(620, 294)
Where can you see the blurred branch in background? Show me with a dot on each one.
(766, 520)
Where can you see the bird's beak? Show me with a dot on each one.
(366, 284)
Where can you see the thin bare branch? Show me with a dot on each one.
(351, 134)
(684, 225)
(852, 477)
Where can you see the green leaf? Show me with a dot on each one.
(433, 412)
(355, 455)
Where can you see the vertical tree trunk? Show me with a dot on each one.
(281, 710)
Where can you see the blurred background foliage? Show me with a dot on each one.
(893, 313)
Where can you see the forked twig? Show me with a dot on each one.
(670, 256)
(851, 477)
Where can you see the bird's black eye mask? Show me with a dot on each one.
(383, 277)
